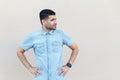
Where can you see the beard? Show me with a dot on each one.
(51, 27)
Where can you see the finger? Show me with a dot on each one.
(38, 72)
(33, 72)
(64, 73)
(61, 72)
(37, 69)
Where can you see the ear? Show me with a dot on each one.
(43, 21)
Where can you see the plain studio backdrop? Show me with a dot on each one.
(93, 24)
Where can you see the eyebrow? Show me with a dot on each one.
(54, 19)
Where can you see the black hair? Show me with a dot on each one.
(45, 13)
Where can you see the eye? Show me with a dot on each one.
(53, 19)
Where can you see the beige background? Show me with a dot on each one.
(93, 24)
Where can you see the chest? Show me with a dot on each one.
(48, 42)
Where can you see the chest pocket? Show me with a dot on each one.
(40, 48)
(56, 46)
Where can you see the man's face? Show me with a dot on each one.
(50, 23)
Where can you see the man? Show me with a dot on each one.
(47, 45)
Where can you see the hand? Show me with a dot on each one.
(35, 71)
(63, 71)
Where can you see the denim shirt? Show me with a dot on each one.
(47, 48)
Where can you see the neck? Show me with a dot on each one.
(45, 29)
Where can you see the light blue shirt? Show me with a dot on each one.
(47, 48)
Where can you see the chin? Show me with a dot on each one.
(54, 28)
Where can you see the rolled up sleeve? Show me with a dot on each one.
(67, 40)
(27, 43)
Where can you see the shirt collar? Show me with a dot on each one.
(44, 32)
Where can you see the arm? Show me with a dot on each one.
(21, 56)
(74, 53)
(72, 58)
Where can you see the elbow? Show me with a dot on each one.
(20, 52)
(77, 50)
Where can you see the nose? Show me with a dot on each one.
(55, 23)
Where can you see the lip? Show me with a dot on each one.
(54, 26)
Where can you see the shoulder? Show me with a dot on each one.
(34, 33)
(59, 31)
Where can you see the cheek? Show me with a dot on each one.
(51, 23)
(47, 24)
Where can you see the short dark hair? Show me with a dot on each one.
(45, 13)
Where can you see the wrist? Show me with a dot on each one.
(29, 68)
(69, 65)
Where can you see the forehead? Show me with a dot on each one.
(52, 17)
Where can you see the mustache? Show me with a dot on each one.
(55, 25)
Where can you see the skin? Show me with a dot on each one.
(48, 25)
